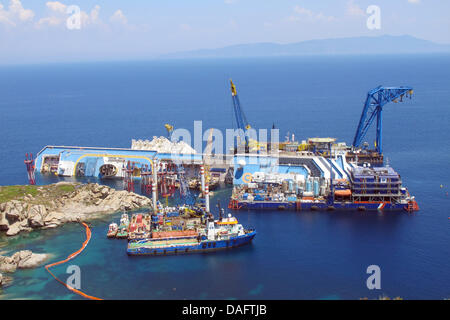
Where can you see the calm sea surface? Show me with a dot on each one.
(294, 255)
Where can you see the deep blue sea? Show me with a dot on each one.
(305, 255)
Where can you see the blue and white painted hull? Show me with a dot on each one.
(202, 246)
(306, 206)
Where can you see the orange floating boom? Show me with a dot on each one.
(70, 257)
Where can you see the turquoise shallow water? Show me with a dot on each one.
(294, 255)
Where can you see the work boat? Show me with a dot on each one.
(112, 230)
(224, 233)
(122, 233)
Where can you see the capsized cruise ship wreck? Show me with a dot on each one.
(68, 161)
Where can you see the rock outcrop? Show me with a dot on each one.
(24, 259)
(63, 202)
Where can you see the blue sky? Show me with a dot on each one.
(35, 30)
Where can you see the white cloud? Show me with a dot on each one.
(354, 10)
(50, 21)
(302, 13)
(414, 1)
(16, 8)
(95, 14)
(56, 6)
(119, 17)
(15, 14)
(4, 17)
(92, 18)
(58, 15)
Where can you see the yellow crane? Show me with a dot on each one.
(169, 129)
(207, 156)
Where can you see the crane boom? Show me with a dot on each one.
(373, 107)
(169, 129)
(241, 120)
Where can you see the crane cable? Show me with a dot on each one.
(70, 257)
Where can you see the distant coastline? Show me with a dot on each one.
(385, 44)
(356, 46)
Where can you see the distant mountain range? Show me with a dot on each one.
(359, 45)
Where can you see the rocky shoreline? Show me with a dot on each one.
(53, 205)
(24, 259)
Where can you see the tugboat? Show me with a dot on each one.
(123, 227)
(112, 230)
(224, 233)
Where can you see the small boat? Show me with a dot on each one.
(122, 233)
(214, 183)
(112, 230)
(215, 235)
(124, 219)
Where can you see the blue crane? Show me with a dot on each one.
(376, 99)
(241, 120)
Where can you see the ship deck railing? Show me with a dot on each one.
(91, 148)
(376, 185)
(162, 239)
(377, 194)
(165, 243)
(318, 200)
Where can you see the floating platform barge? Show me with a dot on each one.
(311, 182)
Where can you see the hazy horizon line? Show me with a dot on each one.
(168, 56)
